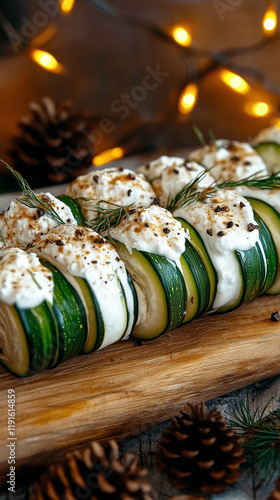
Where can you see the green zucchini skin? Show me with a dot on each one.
(41, 332)
(270, 153)
(269, 251)
(74, 207)
(174, 286)
(271, 219)
(70, 316)
(254, 272)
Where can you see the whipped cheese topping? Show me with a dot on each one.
(230, 160)
(153, 230)
(270, 196)
(24, 282)
(269, 134)
(175, 178)
(225, 223)
(154, 168)
(115, 185)
(21, 225)
(81, 252)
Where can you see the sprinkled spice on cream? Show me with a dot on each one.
(225, 223)
(115, 185)
(153, 230)
(21, 225)
(24, 282)
(154, 168)
(229, 160)
(173, 179)
(80, 252)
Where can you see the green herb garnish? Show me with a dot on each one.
(3, 241)
(29, 198)
(34, 279)
(107, 217)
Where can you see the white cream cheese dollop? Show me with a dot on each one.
(154, 168)
(83, 253)
(229, 160)
(175, 178)
(270, 196)
(21, 225)
(24, 282)
(115, 185)
(225, 223)
(153, 230)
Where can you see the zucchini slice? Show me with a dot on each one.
(196, 281)
(198, 244)
(70, 316)
(254, 272)
(271, 218)
(270, 153)
(160, 289)
(270, 253)
(74, 207)
(29, 338)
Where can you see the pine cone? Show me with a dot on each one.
(55, 145)
(199, 452)
(94, 473)
(275, 495)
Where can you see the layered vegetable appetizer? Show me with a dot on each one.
(124, 253)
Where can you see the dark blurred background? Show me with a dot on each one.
(105, 60)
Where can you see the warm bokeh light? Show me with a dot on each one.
(46, 60)
(270, 21)
(276, 122)
(181, 36)
(66, 6)
(109, 155)
(235, 82)
(258, 108)
(188, 98)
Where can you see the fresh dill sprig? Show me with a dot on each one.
(211, 135)
(199, 135)
(29, 198)
(106, 217)
(192, 192)
(34, 279)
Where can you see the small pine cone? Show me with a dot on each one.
(55, 145)
(94, 473)
(275, 494)
(199, 452)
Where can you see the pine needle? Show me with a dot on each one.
(29, 198)
(199, 135)
(107, 218)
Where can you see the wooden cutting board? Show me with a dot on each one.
(127, 388)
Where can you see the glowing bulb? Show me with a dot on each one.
(188, 98)
(270, 21)
(235, 81)
(258, 109)
(181, 36)
(46, 60)
(66, 6)
(109, 155)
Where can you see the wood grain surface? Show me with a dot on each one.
(127, 388)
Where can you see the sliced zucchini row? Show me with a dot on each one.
(29, 338)
(270, 153)
(271, 219)
(74, 207)
(270, 253)
(253, 271)
(160, 289)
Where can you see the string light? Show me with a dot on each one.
(108, 155)
(270, 20)
(46, 61)
(188, 98)
(66, 6)
(181, 36)
(234, 81)
(258, 109)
